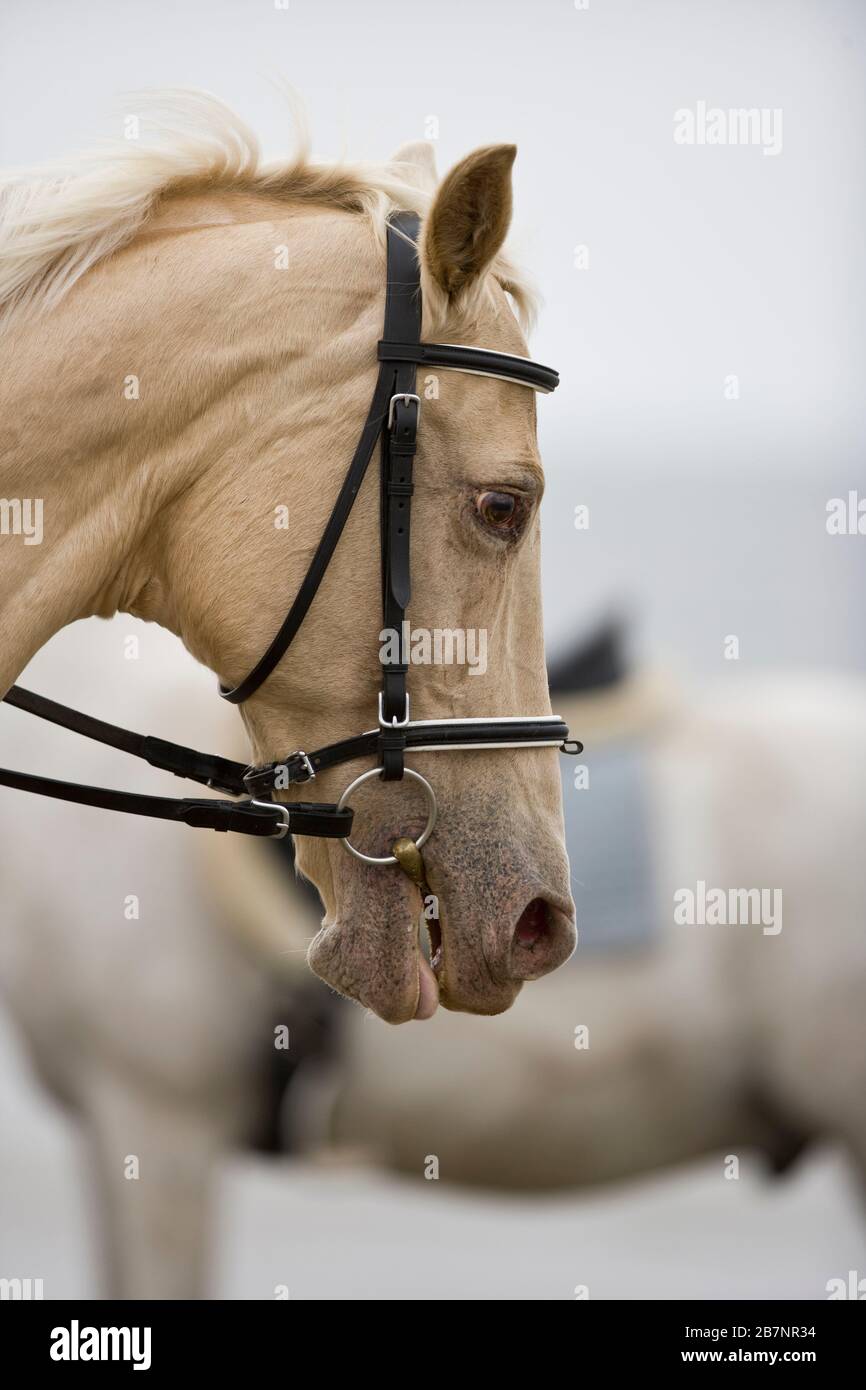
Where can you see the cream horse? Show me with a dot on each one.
(189, 347)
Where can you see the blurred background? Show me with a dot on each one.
(705, 307)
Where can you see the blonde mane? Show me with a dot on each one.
(58, 221)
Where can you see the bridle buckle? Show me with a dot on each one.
(406, 397)
(284, 824)
(394, 723)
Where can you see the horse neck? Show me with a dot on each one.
(77, 448)
(114, 405)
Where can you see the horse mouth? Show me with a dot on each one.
(435, 946)
(429, 968)
(405, 948)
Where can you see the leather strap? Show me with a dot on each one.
(399, 442)
(211, 771)
(304, 818)
(243, 817)
(326, 547)
(476, 361)
(298, 768)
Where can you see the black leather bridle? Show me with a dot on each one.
(393, 417)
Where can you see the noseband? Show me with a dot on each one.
(393, 419)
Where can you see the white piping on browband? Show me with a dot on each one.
(493, 352)
(460, 747)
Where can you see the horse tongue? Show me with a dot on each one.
(428, 990)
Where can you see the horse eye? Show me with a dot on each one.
(503, 512)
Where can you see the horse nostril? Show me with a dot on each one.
(543, 938)
(533, 924)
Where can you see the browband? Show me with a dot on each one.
(477, 361)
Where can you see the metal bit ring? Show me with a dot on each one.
(425, 833)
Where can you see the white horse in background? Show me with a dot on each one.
(157, 1032)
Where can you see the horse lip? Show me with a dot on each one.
(334, 957)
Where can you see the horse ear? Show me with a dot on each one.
(469, 219)
(415, 164)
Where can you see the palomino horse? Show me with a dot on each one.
(189, 353)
